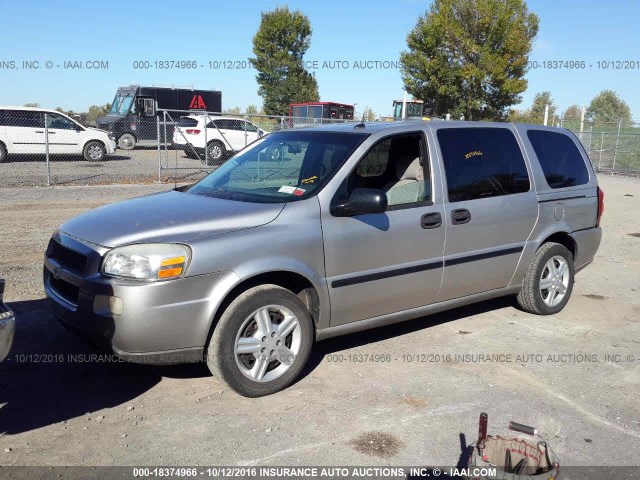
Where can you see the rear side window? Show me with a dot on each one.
(482, 162)
(560, 159)
(23, 118)
(187, 122)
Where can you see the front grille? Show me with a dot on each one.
(66, 257)
(64, 289)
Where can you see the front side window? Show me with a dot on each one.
(395, 165)
(250, 127)
(280, 167)
(560, 159)
(58, 121)
(481, 163)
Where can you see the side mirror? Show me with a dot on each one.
(362, 201)
(260, 132)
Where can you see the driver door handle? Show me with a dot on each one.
(431, 220)
(460, 216)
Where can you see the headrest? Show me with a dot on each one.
(408, 168)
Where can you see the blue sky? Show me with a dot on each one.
(123, 32)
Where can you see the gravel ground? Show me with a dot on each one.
(345, 410)
(134, 166)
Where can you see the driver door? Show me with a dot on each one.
(65, 136)
(378, 264)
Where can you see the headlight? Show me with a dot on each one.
(151, 261)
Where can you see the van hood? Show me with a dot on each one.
(167, 217)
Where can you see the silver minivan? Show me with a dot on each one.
(353, 227)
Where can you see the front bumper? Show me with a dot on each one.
(161, 322)
(111, 147)
(7, 326)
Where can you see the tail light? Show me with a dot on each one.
(193, 131)
(600, 206)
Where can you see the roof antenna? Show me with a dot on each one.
(361, 124)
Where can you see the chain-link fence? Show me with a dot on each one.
(42, 147)
(612, 146)
(201, 141)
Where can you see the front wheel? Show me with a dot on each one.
(94, 151)
(215, 153)
(127, 141)
(262, 341)
(548, 282)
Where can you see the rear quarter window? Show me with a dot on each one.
(187, 122)
(482, 162)
(560, 159)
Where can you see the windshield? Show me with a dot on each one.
(121, 104)
(281, 167)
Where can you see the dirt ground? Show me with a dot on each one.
(575, 376)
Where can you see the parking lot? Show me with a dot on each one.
(125, 166)
(575, 376)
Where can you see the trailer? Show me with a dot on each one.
(321, 110)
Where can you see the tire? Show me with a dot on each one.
(216, 153)
(94, 151)
(4, 156)
(241, 371)
(552, 262)
(127, 141)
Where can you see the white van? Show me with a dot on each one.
(23, 132)
(224, 136)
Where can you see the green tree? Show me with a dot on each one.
(96, 111)
(369, 115)
(535, 113)
(573, 112)
(469, 57)
(232, 111)
(32, 104)
(251, 110)
(540, 101)
(279, 47)
(607, 106)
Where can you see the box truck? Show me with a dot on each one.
(135, 109)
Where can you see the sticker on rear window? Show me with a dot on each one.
(298, 192)
(287, 189)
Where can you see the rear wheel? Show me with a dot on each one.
(4, 156)
(216, 152)
(548, 282)
(94, 151)
(262, 341)
(127, 141)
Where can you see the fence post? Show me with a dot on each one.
(615, 152)
(246, 119)
(206, 147)
(601, 148)
(159, 149)
(46, 148)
